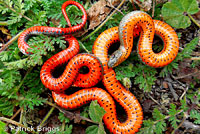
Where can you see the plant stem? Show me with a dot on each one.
(18, 111)
(21, 119)
(3, 23)
(21, 115)
(83, 46)
(148, 87)
(153, 9)
(47, 116)
(115, 8)
(71, 115)
(87, 4)
(166, 117)
(16, 123)
(157, 103)
(85, 38)
(63, 126)
(4, 47)
(187, 75)
(21, 83)
(12, 9)
(132, 1)
(183, 120)
(195, 22)
(195, 58)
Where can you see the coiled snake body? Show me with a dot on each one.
(140, 22)
(130, 26)
(36, 30)
(98, 67)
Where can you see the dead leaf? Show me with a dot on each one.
(185, 70)
(98, 13)
(147, 5)
(77, 117)
(160, 1)
(5, 31)
(55, 22)
(147, 105)
(165, 84)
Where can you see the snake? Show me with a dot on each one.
(37, 30)
(99, 69)
(140, 23)
(132, 25)
(72, 76)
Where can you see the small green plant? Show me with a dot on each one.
(2, 128)
(20, 85)
(175, 12)
(65, 123)
(142, 74)
(175, 116)
(186, 53)
(96, 113)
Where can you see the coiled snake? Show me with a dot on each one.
(99, 65)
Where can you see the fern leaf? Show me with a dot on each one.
(172, 113)
(160, 127)
(157, 115)
(195, 115)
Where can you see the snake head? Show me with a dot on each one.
(115, 59)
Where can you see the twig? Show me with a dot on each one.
(153, 99)
(83, 46)
(63, 126)
(85, 38)
(187, 75)
(18, 111)
(157, 103)
(16, 123)
(173, 91)
(153, 9)
(46, 117)
(4, 47)
(183, 120)
(187, 124)
(69, 114)
(132, 1)
(196, 53)
(21, 83)
(111, 5)
(21, 116)
(195, 58)
(171, 88)
(183, 93)
(195, 22)
(134, 7)
(21, 119)
(4, 23)
(166, 117)
(12, 9)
